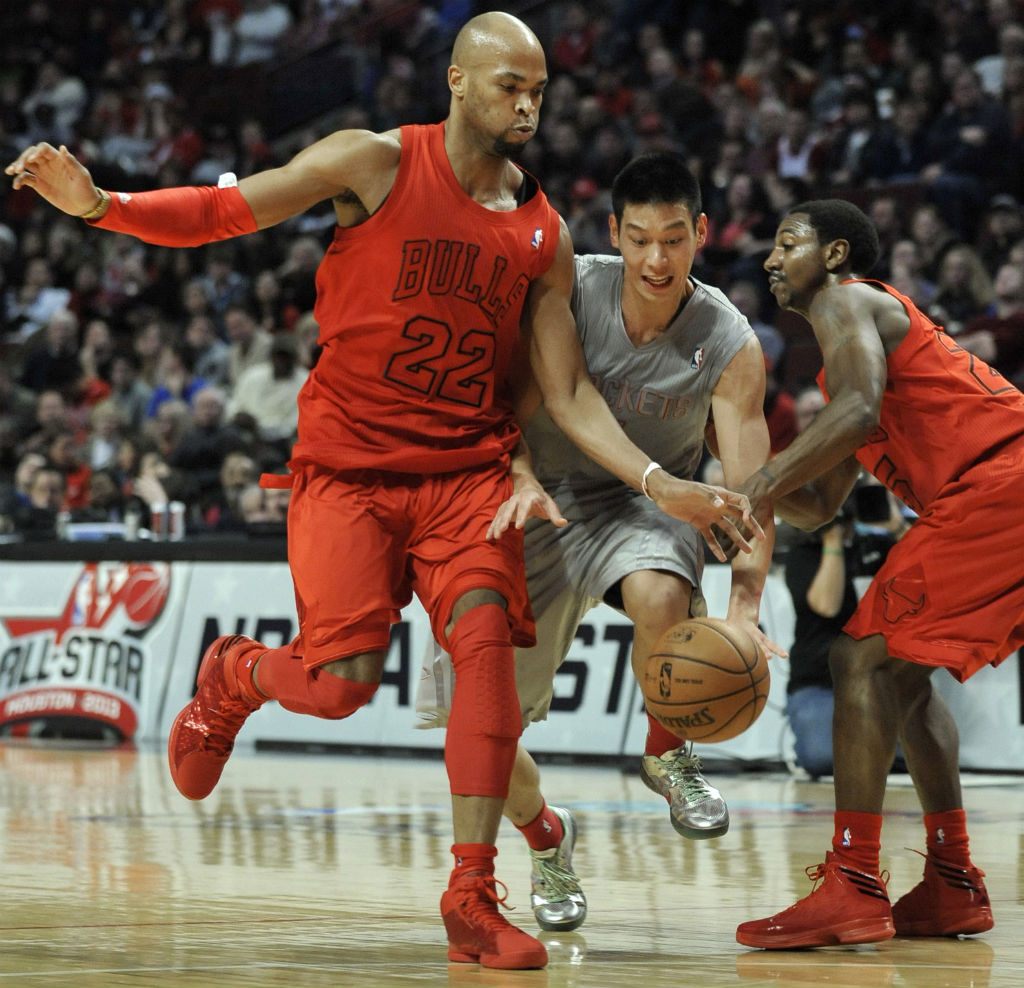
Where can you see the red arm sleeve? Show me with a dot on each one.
(182, 217)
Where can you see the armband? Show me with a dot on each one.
(651, 467)
(181, 217)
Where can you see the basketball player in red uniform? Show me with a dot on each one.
(406, 429)
(945, 433)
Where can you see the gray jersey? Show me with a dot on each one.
(659, 392)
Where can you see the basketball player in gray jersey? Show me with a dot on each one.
(670, 355)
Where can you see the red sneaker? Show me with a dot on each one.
(848, 906)
(478, 932)
(947, 902)
(203, 734)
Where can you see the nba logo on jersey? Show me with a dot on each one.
(538, 238)
(697, 360)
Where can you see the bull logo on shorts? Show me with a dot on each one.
(903, 595)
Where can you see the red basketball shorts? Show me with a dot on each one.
(360, 543)
(951, 591)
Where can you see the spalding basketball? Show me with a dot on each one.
(706, 680)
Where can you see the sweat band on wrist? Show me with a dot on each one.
(651, 467)
(181, 217)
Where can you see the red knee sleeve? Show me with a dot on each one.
(280, 676)
(183, 217)
(485, 721)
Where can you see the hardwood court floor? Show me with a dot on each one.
(325, 870)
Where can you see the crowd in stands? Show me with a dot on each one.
(132, 375)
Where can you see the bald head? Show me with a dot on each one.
(492, 34)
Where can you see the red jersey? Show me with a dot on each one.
(419, 310)
(944, 411)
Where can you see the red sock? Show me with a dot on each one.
(543, 831)
(659, 739)
(473, 859)
(947, 837)
(857, 839)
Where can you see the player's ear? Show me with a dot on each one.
(456, 80)
(837, 254)
(613, 230)
(702, 230)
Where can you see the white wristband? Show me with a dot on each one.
(651, 467)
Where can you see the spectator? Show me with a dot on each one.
(205, 443)
(800, 152)
(997, 337)
(225, 285)
(820, 569)
(272, 312)
(210, 350)
(856, 125)
(16, 495)
(37, 520)
(166, 428)
(739, 239)
(259, 30)
(176, 377)
(268, 392)
(51, 417)
(1001, 227)
(29, 306)
(107, 426)
(64, 453)
(933, 236)
(53, 365)
(906, 276)
(297, 275)
(971, 153)
(747, 297)
(249, 344)
(127, 389)
(238, 472)
(963, 289)
(106, 500)
(55, 104)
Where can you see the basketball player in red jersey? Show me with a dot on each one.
(406, 429)
(945, 433)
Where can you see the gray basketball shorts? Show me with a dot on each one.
(569, 571)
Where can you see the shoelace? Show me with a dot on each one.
(227, 717)
(477, 899)
(684, 773)
(817, 872)
(966, 881)
(552, 875)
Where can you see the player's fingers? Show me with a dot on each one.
(554, 515)
(712, 543)
(736, 533)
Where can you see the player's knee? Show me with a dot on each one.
(334, 698)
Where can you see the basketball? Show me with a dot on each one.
(706, 680)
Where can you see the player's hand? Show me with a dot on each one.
(764, 643)
(57, 175)
(528, 500)
(712, 510)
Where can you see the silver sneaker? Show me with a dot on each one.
(696, 809)
(556, 897)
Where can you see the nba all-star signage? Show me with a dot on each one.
(78, 649)
(112, 648)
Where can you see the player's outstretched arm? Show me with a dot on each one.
(359, 164)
